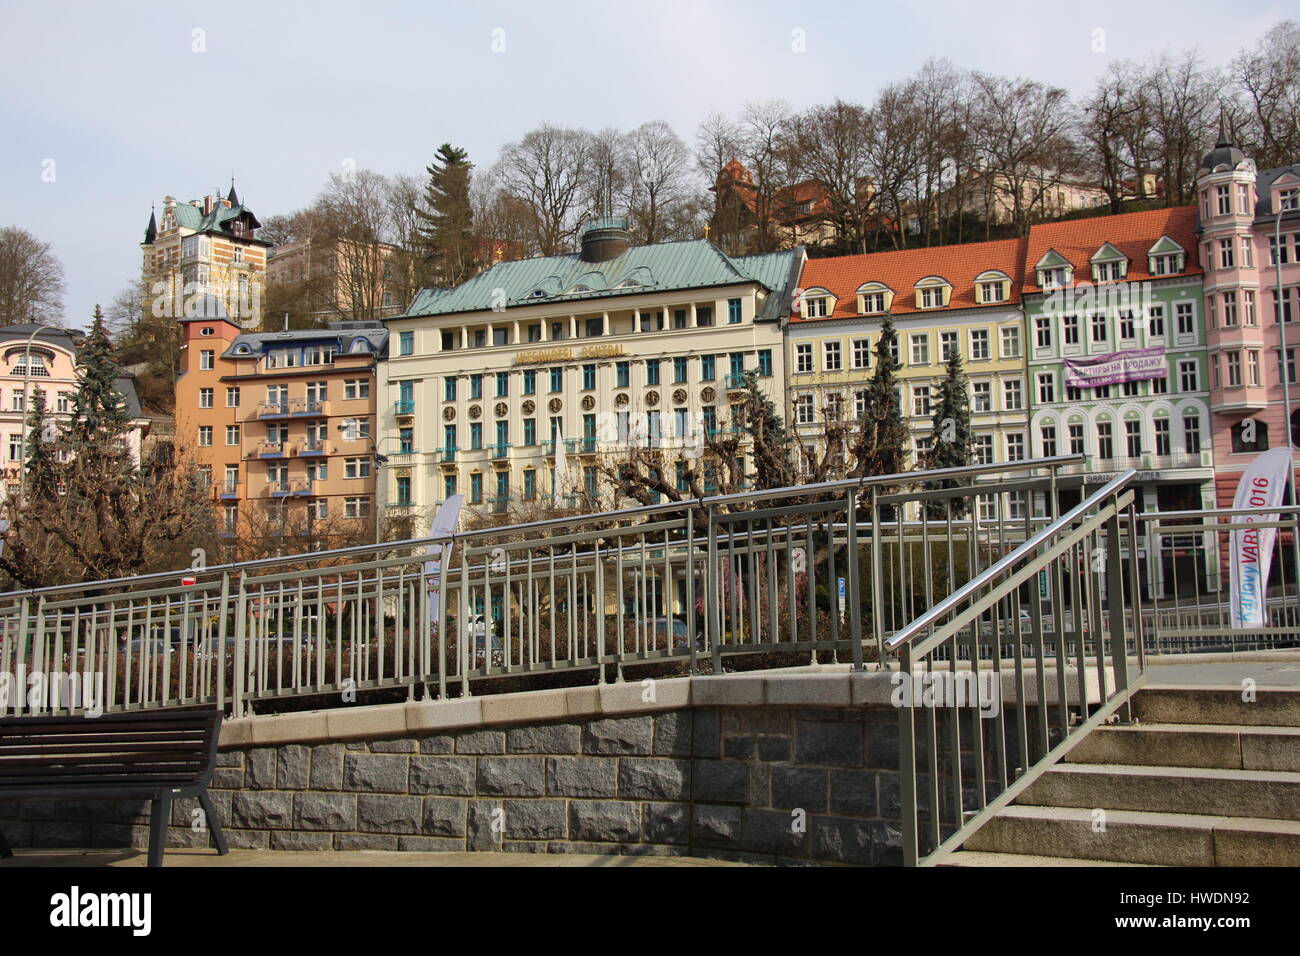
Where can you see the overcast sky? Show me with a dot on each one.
(281, 95)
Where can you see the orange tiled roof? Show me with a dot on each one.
(1132, 233)
(842, 276)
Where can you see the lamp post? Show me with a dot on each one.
(1286, 367)
(27, 372)
(380, 462)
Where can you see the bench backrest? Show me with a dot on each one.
(161, 748)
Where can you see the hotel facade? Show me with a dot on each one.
(510, 388)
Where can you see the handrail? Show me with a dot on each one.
(704, 502)
(906, 634)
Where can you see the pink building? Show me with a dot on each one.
(1239, 209)
(35, 359)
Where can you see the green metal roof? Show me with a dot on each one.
(663, 267)
(192, 217)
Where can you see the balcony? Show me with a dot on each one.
(293, 408)
(406, 452)
(499, 450)
(287, 489)
(313, 448)
(404, 408)
(735, 381)
(446, 456)
(499, 504)
(273, 449)
(585, 446)
(226, 490)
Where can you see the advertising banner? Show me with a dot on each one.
(1115, 368)
(1261, 488)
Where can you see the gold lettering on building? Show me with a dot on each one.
(542, 355)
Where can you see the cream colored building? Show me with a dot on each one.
(546, 364)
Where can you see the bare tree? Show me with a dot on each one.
(656, 182)
(547, 171)
(1184, 99)
(832, 141)
(1116, 124)
(1270, 79)
(31, 279)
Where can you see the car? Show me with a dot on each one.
(661, 626)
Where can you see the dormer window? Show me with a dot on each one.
(932, 292)
(537, 294)
(992, 286)
(874, 298)
(1052, 278)
(1289, 199)
(1109, 264)
(1166, 258)
(1054, 270)
(816, 306)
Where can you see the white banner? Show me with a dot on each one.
(1261, 487)
(444, 522)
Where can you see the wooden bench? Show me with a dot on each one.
(159, 756)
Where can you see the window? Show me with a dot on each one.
(1016, 446)
(1011, 342)
(737, 360)
(1105, 441)
(831, 358)
(733, 311)
(476, 386)
(679, 318)
(535, 332)
(1252, 368)
(1258, 434)
(1186, 320)
(1160, 386)
(355, 429)
(932, 298)
(530, 431)
(981, 396)
(449, 389)
(803, 361)
(1070, 330)
(679, 370)
(588, 377)
(920, 399)
(205, 435)
(317, 393)
(503, 384)
(1164, 265)
(834, 406)
(1046, 387)
(1274, 250)
(557, 379)
(1127, 327)
(1129, 389)
(1133, 438)
(652, 372)
(873, 302)
(480, 338)
(803, 409)
(15, 448)
(1289, 199)
(64, 401)
(816, 307)
(1099, 328)
(703, 316)
(979, 344)
(1012, 395)
(1187, 377)
(1247, 252)
(355, 388)
(356, 467)
(1043, 333)
(991, 292)
(406, 343)
(232, 434)
(1248, 308)
(475, 436)
(1192, 434)
(982, 448)
(1233, 360)
(860, 403)
(920, 348)
(1047, 438)
(1160, 426)
(205, 398)
(1108, 271)
(1156, 321)
(622, 374)
(861, 353)
(765, 362)
(1284, 314)
(403, 490)
(1226, 258)
(1076, 439)
(947, 345)
(356, 507)
(448, 485)
(207, 359)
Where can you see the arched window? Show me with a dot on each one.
(1249, 436)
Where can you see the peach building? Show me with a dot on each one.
(280, 425)
(37, 359)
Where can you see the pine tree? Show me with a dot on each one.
(41, 463)
(446, 233)
(950, 443)
(99, 415)
(771, 441)
(884, 436)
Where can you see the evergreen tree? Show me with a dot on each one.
(950, 444)
(884, 436)
(446, 231)
(99, 415)
(42, 440)
(771, 441)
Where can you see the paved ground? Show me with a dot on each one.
(239, 858)
(1277, 669)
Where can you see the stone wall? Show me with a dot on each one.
(721, 781)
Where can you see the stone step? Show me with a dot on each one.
(1226, 746)
(983, 858)
(1158, 839)
(1217, 704)
(1265, 794)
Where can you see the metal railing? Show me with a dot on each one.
(755, 573)
(1000, 678)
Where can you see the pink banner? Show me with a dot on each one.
(1114, 368)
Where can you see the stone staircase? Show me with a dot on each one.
(1202, 779)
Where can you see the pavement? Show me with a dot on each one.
(244, 858)
(1267, 668)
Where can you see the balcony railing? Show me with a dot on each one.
(446, 455)
(499, 504)
(283, 489)
(499, 450)
(735, 380)
(404, 407)
(585, 446)
(274, 449)
(226, 489)
(293, 408)
(313, 447)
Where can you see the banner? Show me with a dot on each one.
(1115, 368)
(1261, 487)
(444, 523)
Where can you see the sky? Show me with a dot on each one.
(105, 108)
